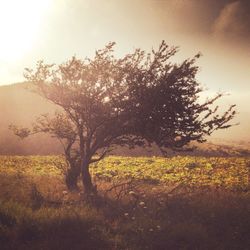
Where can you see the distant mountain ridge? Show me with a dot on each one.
(20, 106)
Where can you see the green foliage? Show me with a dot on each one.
(195, 172)
(32, 165)
(214, 172)
(138, 98)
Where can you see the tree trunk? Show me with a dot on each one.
(71, 178)
(86, 179)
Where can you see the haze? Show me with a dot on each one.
(55, 30)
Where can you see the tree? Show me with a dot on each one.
(135, 100)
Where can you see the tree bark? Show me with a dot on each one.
(86, 178)
(71, 178)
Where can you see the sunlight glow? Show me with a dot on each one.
(20, 21)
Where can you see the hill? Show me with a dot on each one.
(20, 106)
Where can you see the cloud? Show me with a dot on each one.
(233, 21)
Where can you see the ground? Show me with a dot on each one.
(142, 203)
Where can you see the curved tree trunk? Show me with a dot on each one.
(86, 179)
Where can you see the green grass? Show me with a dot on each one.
(32, 165)
(228, 173)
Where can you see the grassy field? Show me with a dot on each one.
(143, 203)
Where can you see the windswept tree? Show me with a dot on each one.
(135, 100)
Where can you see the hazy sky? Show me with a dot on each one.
(54, 30)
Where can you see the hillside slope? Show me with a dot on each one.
(20, 106)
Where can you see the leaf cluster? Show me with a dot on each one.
(141, 98)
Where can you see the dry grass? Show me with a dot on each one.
(36, 212)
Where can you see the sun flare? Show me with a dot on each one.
(19, 25)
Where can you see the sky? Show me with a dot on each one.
(55, 30)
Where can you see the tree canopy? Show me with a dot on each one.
(139, 99)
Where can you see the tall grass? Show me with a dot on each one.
(147, 212)
(51, 228)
